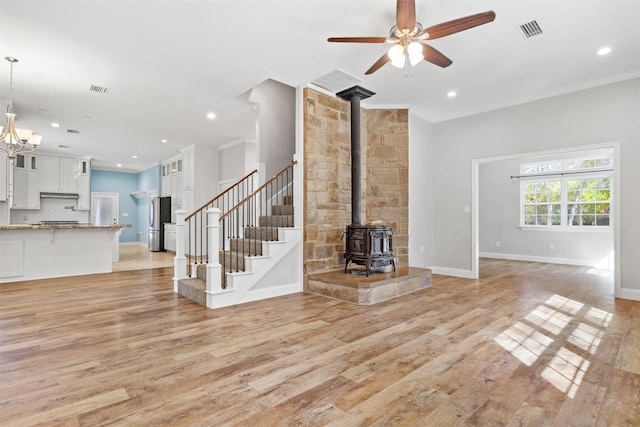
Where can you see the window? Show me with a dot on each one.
(568, 193)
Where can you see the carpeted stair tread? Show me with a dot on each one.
(246, 246)
(276, 221)
(282, 210)
(261, 233)
(231, 260)
(193, 289)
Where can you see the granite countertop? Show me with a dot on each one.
(61, 226)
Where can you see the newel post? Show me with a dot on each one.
(214, 277)
(180, 261)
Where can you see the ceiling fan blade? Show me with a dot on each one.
(435, 56)
(379, 63)
(457, 25)
(357, 39)
(406, 15)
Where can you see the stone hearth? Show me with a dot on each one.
(363, 290)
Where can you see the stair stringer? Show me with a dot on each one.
(259, 281)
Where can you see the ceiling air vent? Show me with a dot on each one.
(336, 81)
(530, 29)
(72, 131)
(99, 89)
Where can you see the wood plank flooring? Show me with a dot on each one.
(138, 257)
(527, 344)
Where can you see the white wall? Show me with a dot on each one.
(276, 124)
(593, 116)
(500, 219)
(421, 212)
(236, 160)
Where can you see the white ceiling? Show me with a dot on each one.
(168, 63)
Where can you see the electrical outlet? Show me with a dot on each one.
(552, 246)
(497, 244)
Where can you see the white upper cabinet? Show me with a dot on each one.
(58, 174)
(26, 182)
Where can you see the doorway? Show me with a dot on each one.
(475, 200)
(104, 208)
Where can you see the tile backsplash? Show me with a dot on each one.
(50, 210)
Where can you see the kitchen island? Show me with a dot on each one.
(30, 252)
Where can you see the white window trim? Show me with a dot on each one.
(563, 176)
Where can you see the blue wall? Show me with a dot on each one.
(125, 184)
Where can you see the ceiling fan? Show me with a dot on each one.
(408, 34)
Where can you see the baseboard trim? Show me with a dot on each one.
(630, 294)
(144, 244)
(455, 272)
(548, 260)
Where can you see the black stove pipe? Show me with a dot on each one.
(355, 95)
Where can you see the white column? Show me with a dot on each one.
(214, 277)
(180, 261)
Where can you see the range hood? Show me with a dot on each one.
(58, 195)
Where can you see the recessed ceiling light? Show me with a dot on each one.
(134, 157)
(603, 51)
(164, 141)
(451, 94)
(55, 125)
(119, 165)
(211, 116)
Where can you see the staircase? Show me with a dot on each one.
(255, 261)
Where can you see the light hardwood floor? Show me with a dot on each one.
(138, 257)
(527, 344)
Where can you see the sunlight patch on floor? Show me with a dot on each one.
(527, 342)
(604, 267)
(565, 371)
(523, 342)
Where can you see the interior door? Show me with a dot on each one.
(104, 208)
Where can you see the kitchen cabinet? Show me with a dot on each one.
(170, 237)
(171, 184)
(176, 189)
(188, 158)
(26, 182)
(165, 185)
(58, 174)
(84, 185)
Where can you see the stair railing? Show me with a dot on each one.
(196, 251)
(253, 220)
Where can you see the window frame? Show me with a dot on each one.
(563, 175)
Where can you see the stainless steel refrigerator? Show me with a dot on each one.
(159, 213)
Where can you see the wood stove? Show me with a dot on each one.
(369, 245)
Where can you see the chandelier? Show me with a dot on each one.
(14, 140)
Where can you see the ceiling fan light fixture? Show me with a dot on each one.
(414, 50)
(396, 53)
